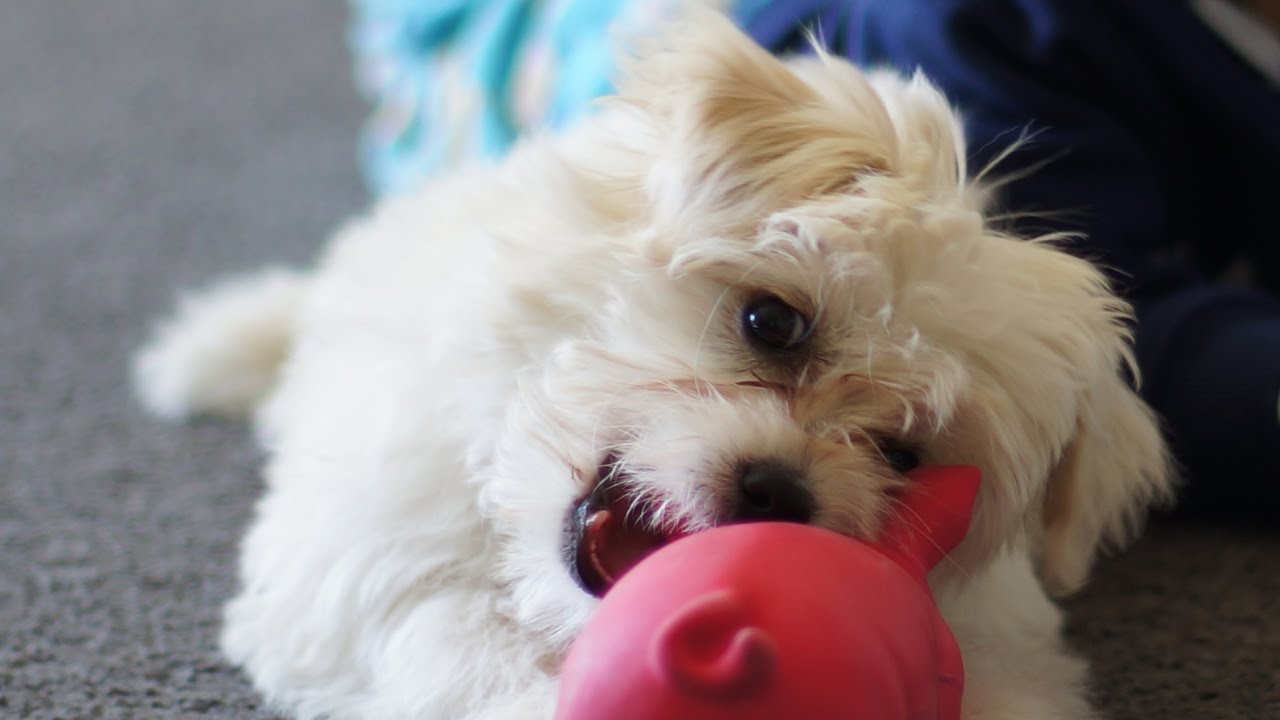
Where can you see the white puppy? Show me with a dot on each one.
(744, 289)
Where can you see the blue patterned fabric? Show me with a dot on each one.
(453, 80)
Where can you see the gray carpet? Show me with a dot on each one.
(148, 145)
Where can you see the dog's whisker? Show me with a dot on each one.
(599, 420)
(706, 328)
(714, 313)
(907, 514)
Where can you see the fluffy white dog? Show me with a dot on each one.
(746, 288)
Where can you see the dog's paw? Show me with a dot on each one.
(221, 351)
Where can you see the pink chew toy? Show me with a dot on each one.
(775, 620)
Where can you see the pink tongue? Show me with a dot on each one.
(614, 546)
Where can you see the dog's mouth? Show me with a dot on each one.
(613, 529)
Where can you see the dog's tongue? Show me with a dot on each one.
(610, 546)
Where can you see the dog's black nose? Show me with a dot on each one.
(773, 491)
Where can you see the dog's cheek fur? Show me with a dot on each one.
(624, 386)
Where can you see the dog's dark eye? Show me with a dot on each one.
(771, 323)
(899, 457)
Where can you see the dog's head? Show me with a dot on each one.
(810, 303)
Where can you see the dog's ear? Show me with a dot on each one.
(1114, 468)
(735, 132)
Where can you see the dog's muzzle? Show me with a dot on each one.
(614, 528)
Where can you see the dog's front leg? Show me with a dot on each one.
(537, 702)
(1016, 667)
(1010, 694)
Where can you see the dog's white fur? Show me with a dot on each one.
(461, 359)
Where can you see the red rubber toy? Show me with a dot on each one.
(767, 621)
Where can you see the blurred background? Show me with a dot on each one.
(152, 145)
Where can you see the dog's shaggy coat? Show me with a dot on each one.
(466, 363)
